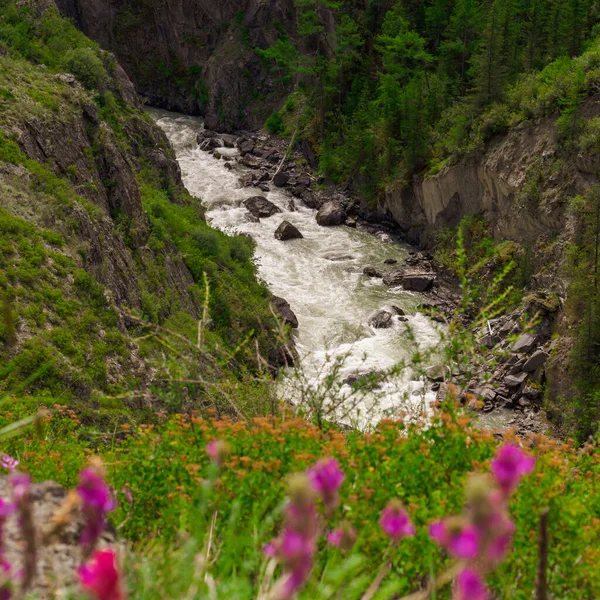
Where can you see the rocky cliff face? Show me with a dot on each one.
(193, 56)
(520, 184)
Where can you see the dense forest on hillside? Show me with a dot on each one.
(402, 86)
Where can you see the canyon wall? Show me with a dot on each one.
(193, 56)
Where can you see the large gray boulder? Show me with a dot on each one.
(525, 343)
(260, 207)
(331, 214)
(286, 231)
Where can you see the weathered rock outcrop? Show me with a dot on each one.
(494, 185)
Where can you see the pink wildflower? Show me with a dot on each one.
(326, 478)
(343, 537)
(294, 548)
(270, 549)
(459, 538)
(509, 466)
(501, 530)
(470, 586)
(100, 577)
(8, 462)
(97, 502)
(218, 451)
(395, 522)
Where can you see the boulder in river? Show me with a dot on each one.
(260, 207)
(281, 179)
(285, 310)
(371, 272)
(382, 319)
(331, 214)
(287, 231)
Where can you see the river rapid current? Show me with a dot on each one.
(321, 277)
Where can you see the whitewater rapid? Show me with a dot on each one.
(321, 277)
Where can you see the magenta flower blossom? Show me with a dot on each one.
(217, 451)
(293, 581)
(461, 540)
(8, 462)
(294, 547)
(470, 586)
(335, 537)
(509, 466)
(395, 522)
(502, 530)
(97, 502)
(100, 577)
(326, 477)
(270, 549)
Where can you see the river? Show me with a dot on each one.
(321, 277)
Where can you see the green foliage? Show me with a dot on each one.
(85, 64)
(275, 123)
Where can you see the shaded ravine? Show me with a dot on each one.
(321, 277)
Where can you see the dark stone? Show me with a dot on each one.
(287, 231)
(487, 394)
(371, 272)
(536, 361)
(517, 367)
(281, 179)
(284, 309)
(382, 319)
(397, 310)
(250, 162)
(264, 187)
(350, 223)
(531, 393)
(228, 166)
(331, 214)
(310, 199)
(245, 146)
(247, 180)
(260, 207)
(525, 343)
(513, 381)
(205, 134)
(390, 261)
(303, 181)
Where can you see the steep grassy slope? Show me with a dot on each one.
(97, 225)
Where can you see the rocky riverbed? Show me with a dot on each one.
(274, 181)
